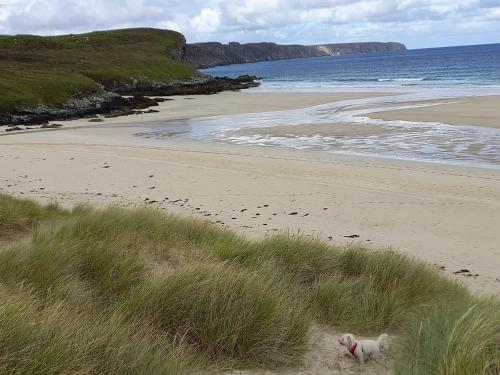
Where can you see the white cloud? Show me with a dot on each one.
(207, 22)
(171, 25)
(417, 22)
(6, 8)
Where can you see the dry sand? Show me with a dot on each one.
(446, 215)
(327, 357)
(478, 111)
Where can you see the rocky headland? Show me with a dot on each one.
(210, 54)
(109, 72)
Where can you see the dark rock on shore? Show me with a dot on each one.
(197, 86)
(112, 104)
(161, 100)
(13, 129)
(77, 108)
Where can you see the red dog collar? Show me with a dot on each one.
(352, 349)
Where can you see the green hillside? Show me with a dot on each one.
(50, 70)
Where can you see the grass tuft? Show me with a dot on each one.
(458, 338)
(375, 291)
(20, 215)
(227, 313)
(46, 340)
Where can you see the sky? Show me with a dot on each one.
(417, 23)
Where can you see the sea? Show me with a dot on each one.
(441, 68)
(412, 78)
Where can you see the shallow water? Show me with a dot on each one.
(422, 141)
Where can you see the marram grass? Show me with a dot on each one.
(116, 291)
(459, 338)
(226, 312)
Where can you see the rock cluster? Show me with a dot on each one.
(197, 86)
(76, 108)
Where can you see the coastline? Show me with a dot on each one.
(120, 99)
(443, 214)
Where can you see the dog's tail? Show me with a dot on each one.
(383, 340)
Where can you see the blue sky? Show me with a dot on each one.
(418, 24)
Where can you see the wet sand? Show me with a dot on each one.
(310, 130)
(476, 111)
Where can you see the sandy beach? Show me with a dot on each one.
(447, 215)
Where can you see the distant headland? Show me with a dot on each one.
(210, 54)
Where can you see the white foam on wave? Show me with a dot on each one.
(400, 79)
(426, 88)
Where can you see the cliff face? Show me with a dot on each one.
(205, 55)
(349, 48)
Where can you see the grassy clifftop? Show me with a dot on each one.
(50, 70)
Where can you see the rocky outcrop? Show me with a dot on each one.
(205, 55)
(76, 108)
(112, 104)
(196, 86)
(178, 50)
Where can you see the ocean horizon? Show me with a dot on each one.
(462, 67)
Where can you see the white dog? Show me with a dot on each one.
(363, 349)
